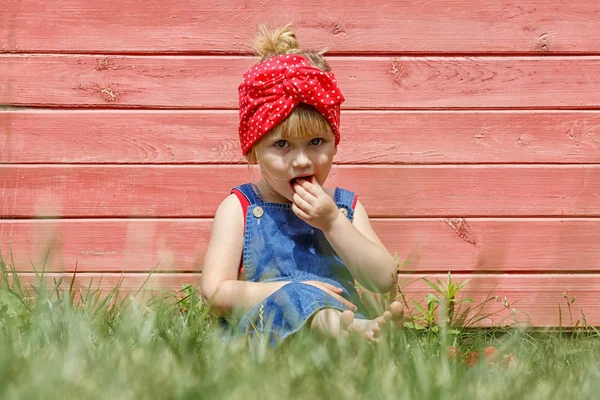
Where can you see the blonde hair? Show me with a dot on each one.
(305, 120)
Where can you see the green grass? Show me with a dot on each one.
(54, 344)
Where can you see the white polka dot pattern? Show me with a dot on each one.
(272, 89)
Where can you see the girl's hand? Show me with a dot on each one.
(333, 291)
(313, 205)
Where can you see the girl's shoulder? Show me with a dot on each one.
(230, 209)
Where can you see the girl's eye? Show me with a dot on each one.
(280, 144)
(316, 141)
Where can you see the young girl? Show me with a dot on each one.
(286, 250)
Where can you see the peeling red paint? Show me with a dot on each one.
(103, 64)
(462, 229)
(108, 94)
(397, 71)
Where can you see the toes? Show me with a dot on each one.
(369, 337)
(376, 332)
(347, 319)
(390, 321)
(387, 315)
(353, 330)
(397, 310)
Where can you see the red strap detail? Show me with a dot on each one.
(355, 200)
(245, 203)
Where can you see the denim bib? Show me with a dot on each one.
(279, 246)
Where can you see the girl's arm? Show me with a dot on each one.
(360, 249)
(355, 242)
(220, 287)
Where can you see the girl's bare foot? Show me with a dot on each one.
(332, 322)
(337, 324)
(375, 329)
(343, 324)
(392, 320)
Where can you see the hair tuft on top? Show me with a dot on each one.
(273, 43)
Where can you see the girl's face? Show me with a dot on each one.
(284, 159)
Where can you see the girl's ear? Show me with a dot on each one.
(335, 150)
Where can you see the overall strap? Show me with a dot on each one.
(246, 195)
(247, 189)
(345, 198)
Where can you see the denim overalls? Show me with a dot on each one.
(279, 246)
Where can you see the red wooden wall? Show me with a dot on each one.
(471, 133)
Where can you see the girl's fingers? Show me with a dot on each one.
(334, 288)
(312, 187)
(332, 291)
(342, 300)
(328, 286)
(347, 303)
(299, 212)
(300, 190)
(300, 202)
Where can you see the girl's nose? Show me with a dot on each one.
(301, 160)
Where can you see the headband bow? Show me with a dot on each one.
(272, 89)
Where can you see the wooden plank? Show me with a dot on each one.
(386, 191)
(113, 245)
(186, 26)
(367, 82)
(394, 137)
(425, 245)
(533, 300)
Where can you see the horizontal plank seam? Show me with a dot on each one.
(345, 166)
(241, 163)
(18, 110)
(340, 54)
(33, 106)
(117, 218)
(470, 217)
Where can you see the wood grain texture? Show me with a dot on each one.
(31, 191)
(186, 26)
(471, 133)
(367, 82)
(522, 299)
(368, 137)
(507, 245)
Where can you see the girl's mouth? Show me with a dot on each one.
(296, 179)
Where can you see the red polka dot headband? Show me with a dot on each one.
(272, 89)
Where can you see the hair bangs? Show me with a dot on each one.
(304, 121)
